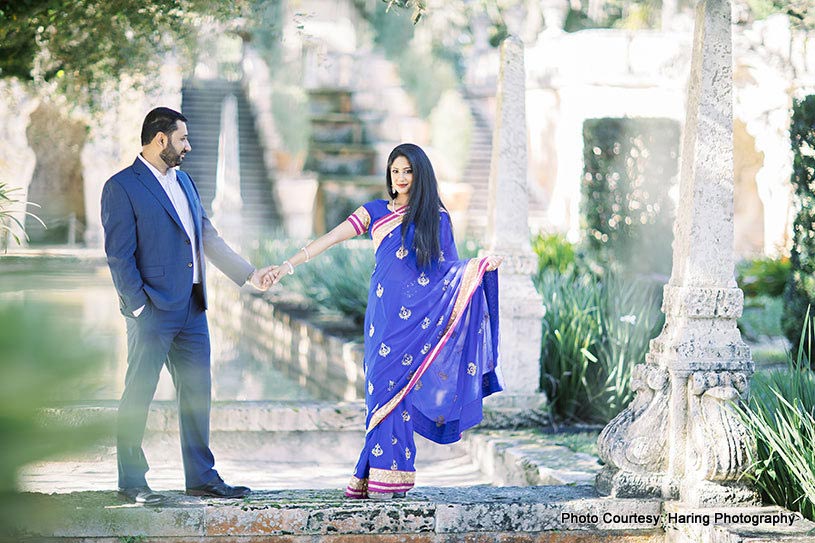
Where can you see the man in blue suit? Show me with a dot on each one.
(156, 236)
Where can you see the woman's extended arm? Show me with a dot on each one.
(340, 233)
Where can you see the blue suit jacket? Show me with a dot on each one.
(148, 251)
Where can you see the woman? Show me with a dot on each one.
(431, 325)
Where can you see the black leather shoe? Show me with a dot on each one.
(219, 489)
(142, 495)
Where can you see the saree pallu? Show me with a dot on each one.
(431, 343)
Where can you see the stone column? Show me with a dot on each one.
(521, 307)
(680, 437)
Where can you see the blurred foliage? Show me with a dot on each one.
(781, 415)
(451, 130)
(292, 121)
(397, 37)
(799, 293)
(627, 214)
(800, 12)
(596, 328)
(9, 224)
(82, 46)
(761, 317)
(763, 276)
(44, 360)
(626, 14)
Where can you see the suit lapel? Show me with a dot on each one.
(192, 200)
(150, 182)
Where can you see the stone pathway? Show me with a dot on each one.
(290, 445)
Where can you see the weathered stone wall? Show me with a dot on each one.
(57, 184)
(328, 365)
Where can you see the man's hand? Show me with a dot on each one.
(260, 279)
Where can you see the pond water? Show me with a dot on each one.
(85, 296)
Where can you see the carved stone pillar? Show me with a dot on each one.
(681, 438)
(521, 307)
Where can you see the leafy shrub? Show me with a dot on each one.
(594, 333)
(780, 416)
(554, 252)
(763, 276)
(799, 293)
(630, 165)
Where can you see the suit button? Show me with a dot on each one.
(188, 242)
(189, 265)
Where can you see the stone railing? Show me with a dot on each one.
(294, 341)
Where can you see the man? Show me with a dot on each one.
(156, 236)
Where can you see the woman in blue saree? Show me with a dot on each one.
(431, 325)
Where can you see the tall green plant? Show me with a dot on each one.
(594, 333)
(799, 293)
(780, 416)
(9, 224)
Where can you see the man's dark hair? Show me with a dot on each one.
(161, 119)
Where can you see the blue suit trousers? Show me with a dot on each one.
(178, 339)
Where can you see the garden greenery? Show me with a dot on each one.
(800, 289)
(594, 332)
(44, 360)
(781, 415)
(83, 46)
(9, 224)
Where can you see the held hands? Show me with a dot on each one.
(275, 275)
(259, 278)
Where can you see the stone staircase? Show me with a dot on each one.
(477, 172)
(342, 156)
(201, 104)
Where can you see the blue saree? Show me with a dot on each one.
(431, 345)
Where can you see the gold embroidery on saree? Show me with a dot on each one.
(389, 476)
(385, 226)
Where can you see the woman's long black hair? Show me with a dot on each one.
(424, 203)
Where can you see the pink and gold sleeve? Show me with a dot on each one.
(360, 220)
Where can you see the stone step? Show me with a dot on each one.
(428, 515)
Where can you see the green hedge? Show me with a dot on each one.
(629, 168)
(800, 289)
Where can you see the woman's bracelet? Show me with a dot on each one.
(308, 256)
(291, 268)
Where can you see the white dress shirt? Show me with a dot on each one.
(175, 193)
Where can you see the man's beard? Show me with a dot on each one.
(171, 157)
